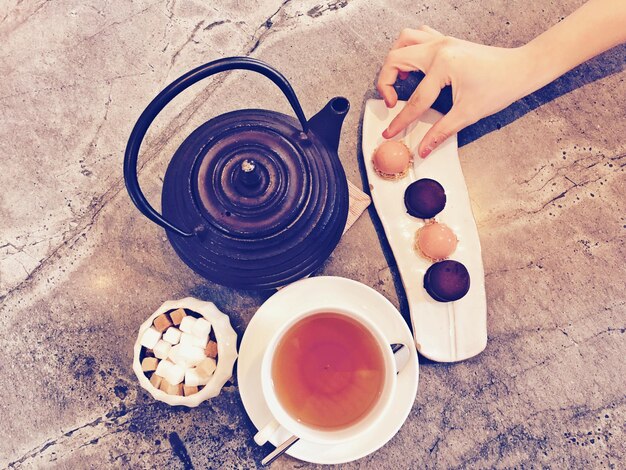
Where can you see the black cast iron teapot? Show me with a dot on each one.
(253, 198)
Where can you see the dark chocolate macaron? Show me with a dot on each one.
(447, 281)
(424, 198)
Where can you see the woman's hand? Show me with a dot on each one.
(484, 80)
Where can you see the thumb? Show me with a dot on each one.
(448, 125)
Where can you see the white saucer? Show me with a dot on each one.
(322, 292)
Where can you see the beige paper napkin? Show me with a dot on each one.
(358, 203)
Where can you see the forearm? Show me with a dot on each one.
(594, 28)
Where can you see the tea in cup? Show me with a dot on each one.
(328, 376)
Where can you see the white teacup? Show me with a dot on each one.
(282, 419)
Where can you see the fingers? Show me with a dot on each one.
(410, 37)
(386, 79)
(413, 50)
(446, 126)
(406, 59)
(421, 99)
(407, 37)
(429, 30)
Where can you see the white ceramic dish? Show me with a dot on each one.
(226, 351)
(444, 332)
(325, 292)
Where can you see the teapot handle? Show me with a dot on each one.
(169, 93)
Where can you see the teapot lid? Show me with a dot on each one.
(253, 176)
(252, 198)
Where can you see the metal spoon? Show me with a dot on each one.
(284, 447)
(280, 450)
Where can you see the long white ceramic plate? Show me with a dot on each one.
(444, 332)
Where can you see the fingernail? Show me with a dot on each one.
(425, 152)
(386, 133)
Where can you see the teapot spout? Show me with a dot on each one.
(326, 124)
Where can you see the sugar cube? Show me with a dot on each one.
(171, 389)
(194, 378)
(189, 390)
(175, 374)
(207, 367)
(161, 349)
(162, 323)
(162, 367)
(191, 355)
(177, 316)
(156, 380)
(150, 338)
(172, 335)
(186, 324)
(201, 328)
(211, 349)
(171, 372)
(176, 357)
(163, 385)
(149, 364)
(191, 340)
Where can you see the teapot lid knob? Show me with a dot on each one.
(248, 166)
(250, 174)
(250, 178)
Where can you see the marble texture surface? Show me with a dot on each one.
(80, 268)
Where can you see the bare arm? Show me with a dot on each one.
(594, 28)
(486, 79)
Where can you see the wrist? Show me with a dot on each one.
(536, 68)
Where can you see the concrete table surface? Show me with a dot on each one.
(80, 268)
